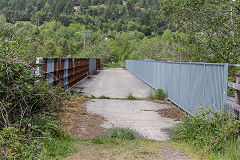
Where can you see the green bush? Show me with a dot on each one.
(121, 133)
(214, 132)
(20, 93)
(23, 103)
(158, 94)
(44, 125)
(11, 146)
(42, 138)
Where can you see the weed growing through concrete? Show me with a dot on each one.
(131, 97)
(159, 94)
(92, 96)
(104, 97)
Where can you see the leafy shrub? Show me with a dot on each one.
(157, 95)
(23, 102)
(121, 133)
(212, 131)
(42, 134)
(10, 144)
(44, 125)
(20, 93)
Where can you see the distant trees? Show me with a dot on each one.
(115, 30)
(96, 14)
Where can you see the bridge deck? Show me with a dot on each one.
(115, 83)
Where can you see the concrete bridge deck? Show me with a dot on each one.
(139, 115)
(116, 83)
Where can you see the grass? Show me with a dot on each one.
(131, 97)
(115, 134)
(158, 94)
(215, 134)
(121, 133)
(104, 97)
(107, 148)
(119, 143)
(58, 149)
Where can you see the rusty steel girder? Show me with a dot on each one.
(65, 72)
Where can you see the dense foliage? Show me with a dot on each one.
(104, 15)
(25, 103)
(20, 93)
(215, 133)
(211, 29)
(114, 30)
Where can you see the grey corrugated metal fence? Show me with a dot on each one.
(188, 85)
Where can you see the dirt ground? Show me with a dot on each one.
(172, 111)
(77, 121)
(80, 123)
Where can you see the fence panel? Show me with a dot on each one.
(188, 85)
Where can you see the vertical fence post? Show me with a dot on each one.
(237, 92)
(66, 64)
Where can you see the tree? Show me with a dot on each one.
(211, 28)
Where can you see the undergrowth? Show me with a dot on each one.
(158, 94)
(43, 138)
(215, 133)
(27, 123)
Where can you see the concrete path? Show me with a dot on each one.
(140, 116)
(116, 83)
(137, 115)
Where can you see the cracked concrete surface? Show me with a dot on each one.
(139, 115)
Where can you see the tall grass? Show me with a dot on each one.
(114, 135)
(215, 133)
(121, 133)
(159, 94)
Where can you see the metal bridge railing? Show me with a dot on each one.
(188, 85)
(66, 72)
